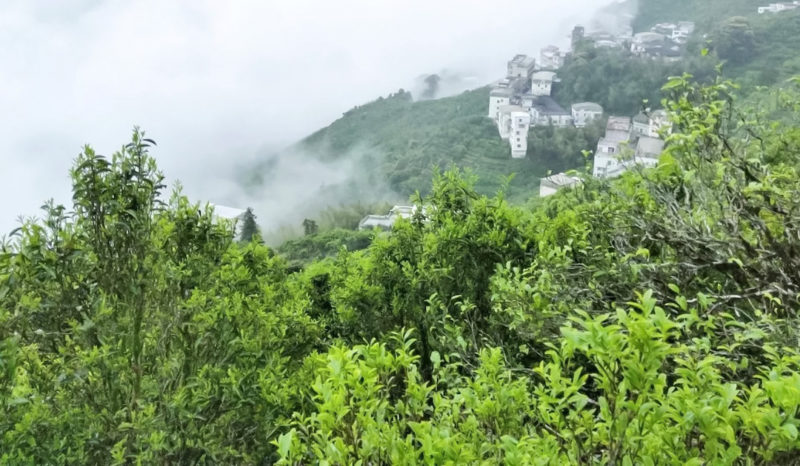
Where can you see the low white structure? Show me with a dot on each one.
(778, 7)
(584, 112)
(386, 222)
(545, 112)
(648, 150)
(552, 184)
(542, 82)
(679, 32)
(665, 29)
(651, 124)
(609, 159)
(647, 43)
(551, 58)
(618, 123)
(232, 215)
(683, 31)
(499, 97)
(521, 66)
(513, 125)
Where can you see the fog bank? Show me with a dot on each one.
(216, 83)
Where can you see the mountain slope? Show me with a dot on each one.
(401, 141)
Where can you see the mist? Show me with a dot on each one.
(219, 85)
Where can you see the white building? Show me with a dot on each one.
(551, 58)
(542, 82)
(545, 111)
(647, 43)
(683, 31)
(521, 66)
(648, 151)
(679, 32)
(552, 184)
(651, 124)
(584, 112)
(513, 126)
(386, 222)
(499, 97)
(778, 7)
(665, 29)
(609, 159)
(618, 123)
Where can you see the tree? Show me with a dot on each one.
(250, 229)
(735, 41)
(310, 227)
(432, 83)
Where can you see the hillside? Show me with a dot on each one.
(706, 13)
(392, 145)
(401, 141)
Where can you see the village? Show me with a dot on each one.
(523, 99)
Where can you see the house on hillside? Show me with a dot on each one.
(584, 112)
(665, 29)
(542, 83)
(499, 97)
(521, 66)
(618, 123)
(779, 7)
(552, 184)
(647, 44)
(551, 58)
(513, 125)
(545, 111)
(609, 159)
(681, 33)
(386, 222)
(648, 151)
(651, 124)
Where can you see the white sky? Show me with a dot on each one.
(214, 81)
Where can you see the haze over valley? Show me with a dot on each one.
(220, 86)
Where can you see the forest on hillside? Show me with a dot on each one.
(650, 319)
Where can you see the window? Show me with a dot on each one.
(517, 139)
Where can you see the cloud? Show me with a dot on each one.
(213, 82)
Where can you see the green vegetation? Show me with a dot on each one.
(774, 57)
(620, 82)
(706, 13)
(650, 319)
(300, 252)
(250, 229)
(401, 142)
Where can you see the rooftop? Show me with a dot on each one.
(617, 136)
(649, 147)
(522, 60)
(547, 106)
(371, 221)
(543, 76)
(229, 213)
(559, 180)
(645, 37)
(511, 109)
(501, 92)
(618, 123)
(588, 107)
